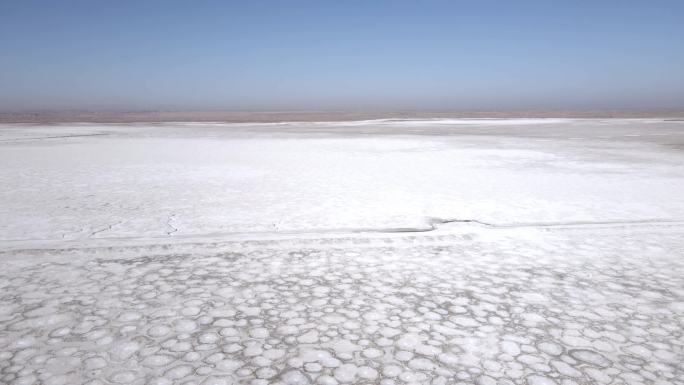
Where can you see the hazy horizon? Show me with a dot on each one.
(308, 55)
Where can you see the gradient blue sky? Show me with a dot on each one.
(341, 54)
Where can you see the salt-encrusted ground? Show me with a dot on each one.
(506, 252)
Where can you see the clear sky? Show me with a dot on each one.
(320, 54)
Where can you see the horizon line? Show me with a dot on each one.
(317, 115)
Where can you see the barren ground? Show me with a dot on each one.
(451, 251)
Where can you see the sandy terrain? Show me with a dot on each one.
(440, 251)
(248, 116)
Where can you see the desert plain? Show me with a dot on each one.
(489, 251)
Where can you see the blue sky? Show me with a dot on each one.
(341, 54)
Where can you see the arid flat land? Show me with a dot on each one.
(517, 251)
(229, 116)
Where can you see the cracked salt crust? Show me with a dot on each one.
(261, 316)
(564, 265)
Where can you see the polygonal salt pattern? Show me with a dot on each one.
(577, 310)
